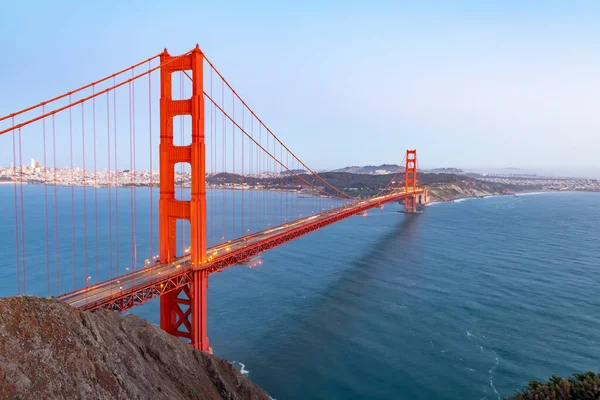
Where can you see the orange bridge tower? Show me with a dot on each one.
(183, 311)
(410, 183)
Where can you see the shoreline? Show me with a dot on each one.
(517, 194)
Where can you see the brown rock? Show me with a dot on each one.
(51, 350)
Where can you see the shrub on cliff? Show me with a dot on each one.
(585, 386)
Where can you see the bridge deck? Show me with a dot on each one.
(139, 286)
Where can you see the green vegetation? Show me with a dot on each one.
(362, 185)
(584, 386)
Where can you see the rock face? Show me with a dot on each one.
(50, 350)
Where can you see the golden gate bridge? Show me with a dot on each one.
(103, 137)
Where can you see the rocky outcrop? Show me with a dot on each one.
(50, 350)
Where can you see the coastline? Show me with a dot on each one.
(516, 194)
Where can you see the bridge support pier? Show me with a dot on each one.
(183, 311)
(410, 204)
(199, 288)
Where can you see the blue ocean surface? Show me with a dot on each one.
(468, 300)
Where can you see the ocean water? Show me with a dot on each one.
(468, 300)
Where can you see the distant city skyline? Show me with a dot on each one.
(593, 173)
(471, 85)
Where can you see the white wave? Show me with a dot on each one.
(531, 193)
(470, 369)
(491, 371)
(243, 369)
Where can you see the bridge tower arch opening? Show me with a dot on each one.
(183, 311)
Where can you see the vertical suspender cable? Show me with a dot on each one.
(250, 173)
(116, 181)
(95, 180)
(72, 195)
(109, 183)
(135, 182)
(233, 172)
(224, 142)
(280, 185)
(151, 171)
(14, 168)
(46, 203)
(242, 137)
(131, 173)
(23, 265)
(55, 205)
(84, 183)
(211, 169)
(258, 175)
(214, 187)
(267, 184)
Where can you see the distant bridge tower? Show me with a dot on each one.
(183, 311)
(410, 185)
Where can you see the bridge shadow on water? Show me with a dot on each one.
(337, 307)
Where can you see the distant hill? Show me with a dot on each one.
(371, 169)
(393, 168)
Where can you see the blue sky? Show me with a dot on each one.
(469, 84)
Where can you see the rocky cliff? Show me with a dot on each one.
(49, 350)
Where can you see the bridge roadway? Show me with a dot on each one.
(137, 287)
